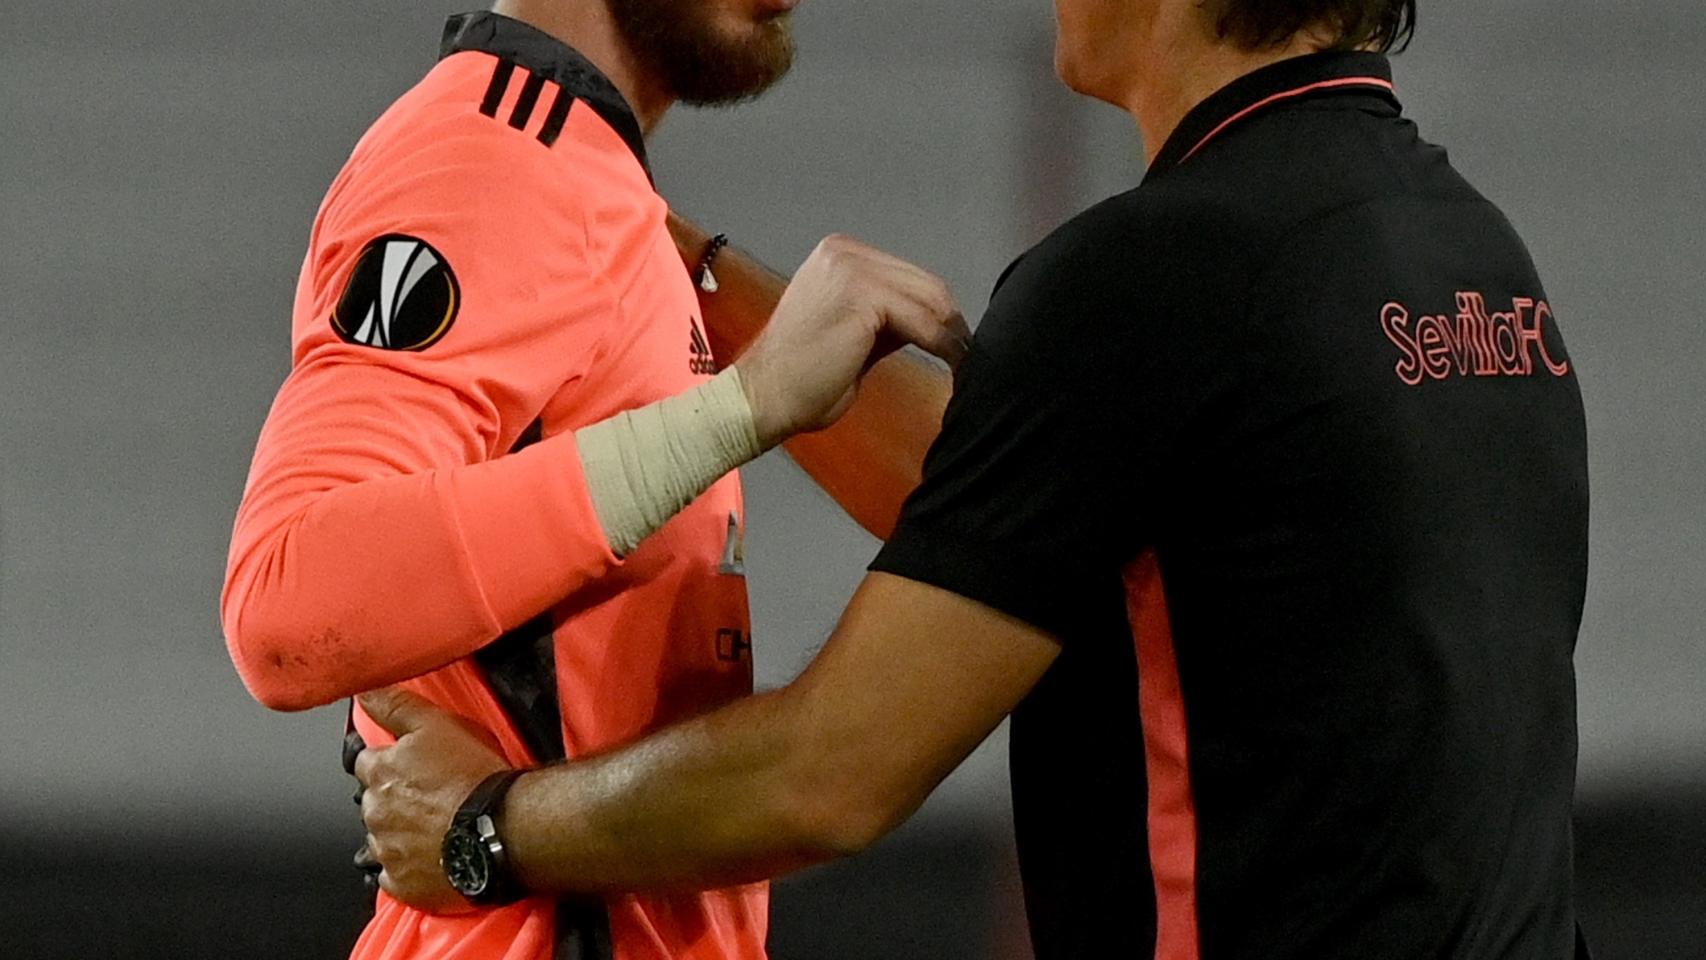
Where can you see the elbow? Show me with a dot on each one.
(281, 697)
(837, 808)
(847, 833)
(836, 827)
(264, 664)
(266, 646)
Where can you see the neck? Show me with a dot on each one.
(589, 28)
(1184, 71)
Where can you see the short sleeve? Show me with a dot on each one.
(1038, 489)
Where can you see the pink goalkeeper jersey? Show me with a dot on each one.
(489, 272)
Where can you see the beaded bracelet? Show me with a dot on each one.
(702, 274)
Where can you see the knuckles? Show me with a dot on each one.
(838, 246)
(839, 257)
(944, 294)
(364, 764)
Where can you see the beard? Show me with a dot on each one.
(699, 63)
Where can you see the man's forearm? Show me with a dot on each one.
(912, 680)
(368, 582)
(872, 458)
(717, 801)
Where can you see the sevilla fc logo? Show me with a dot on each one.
(400, 296)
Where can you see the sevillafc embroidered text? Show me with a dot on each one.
(1474, 343)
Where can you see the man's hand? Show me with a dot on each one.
(848, 305)
(413, 788)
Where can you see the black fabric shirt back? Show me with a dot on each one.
(1312, 371)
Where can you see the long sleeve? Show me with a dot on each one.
(385, 530)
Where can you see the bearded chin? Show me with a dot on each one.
(698, 63)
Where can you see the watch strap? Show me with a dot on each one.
(486, 801)
(487, 797)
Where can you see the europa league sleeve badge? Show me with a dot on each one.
(401, 295)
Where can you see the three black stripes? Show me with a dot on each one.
(525, 104)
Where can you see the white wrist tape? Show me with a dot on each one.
(642, 466)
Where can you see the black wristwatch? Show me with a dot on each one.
(473, 854)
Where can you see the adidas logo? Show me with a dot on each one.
(699, 352)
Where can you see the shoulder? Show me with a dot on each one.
(481, 137)
(1129, 266)
(447, 193)
(494, 168)
(1140, 242)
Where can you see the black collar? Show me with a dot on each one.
(544, 55)
(1315, 75)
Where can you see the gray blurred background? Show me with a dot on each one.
(161, 162)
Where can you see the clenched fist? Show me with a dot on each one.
(847, 305)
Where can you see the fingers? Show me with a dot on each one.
(370, 859)
(956, 323)
(902, 276)
(926, 289)
(937, 325)
(353, 745)
(940, 332)
(410, 791)
(365, 859)
(847, 307)
(397, 710)
(369, 856)
(946, 337)
(362, 770)
(920, 307)
(353, 748)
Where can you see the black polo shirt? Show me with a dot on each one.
(1285, 448)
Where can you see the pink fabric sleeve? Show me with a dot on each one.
(383, 531)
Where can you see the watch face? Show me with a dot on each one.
(466, 862)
